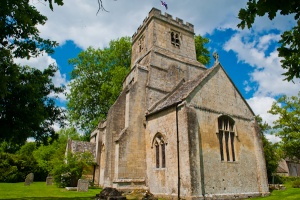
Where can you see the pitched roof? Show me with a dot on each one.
(181, 93)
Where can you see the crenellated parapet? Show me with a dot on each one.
(156, 13)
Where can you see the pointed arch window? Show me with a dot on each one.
(160, 151)
(226, 135)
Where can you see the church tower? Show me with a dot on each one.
(163, 57)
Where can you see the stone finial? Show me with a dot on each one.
(216, 56)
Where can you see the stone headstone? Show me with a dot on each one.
(29, 179)
(49, 180)
(82, 185)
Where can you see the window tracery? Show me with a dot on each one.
(160, 151)
(226, 135)
(175, 38)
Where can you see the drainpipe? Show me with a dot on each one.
(178, 164)
(94, 173)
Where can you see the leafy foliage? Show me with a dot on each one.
(15, 167)
(68, 171)
(48, 155)
(288, 124)
(97, 82)
(202, 52)
(25, 107)
(290, 39)
(272, 156)
(18, 29)
(296, 183)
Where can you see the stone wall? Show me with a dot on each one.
(218, 96)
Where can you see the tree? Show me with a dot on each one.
(202, 52)
(290, 39)
(48, 155)
(272, 156)
(97, 81)
(26, 110)
(288, 124)
(15, 166)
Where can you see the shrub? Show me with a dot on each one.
(276, 179)
(67, 172)
(15, 167)
(296, 183)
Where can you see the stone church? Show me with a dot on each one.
(178, 128)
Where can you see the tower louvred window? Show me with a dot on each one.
(175, 38)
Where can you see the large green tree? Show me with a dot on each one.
(97, 81)
(290, 39)
(287, 126)
(271, 152)
(26, 110)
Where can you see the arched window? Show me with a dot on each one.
(226, 135)
(160, 151)
(141, 43)
(175, 38)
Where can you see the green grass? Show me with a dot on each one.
(289, 193)
(39, 190)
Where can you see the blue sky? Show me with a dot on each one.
(248, 56)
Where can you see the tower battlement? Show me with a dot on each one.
(156, 13)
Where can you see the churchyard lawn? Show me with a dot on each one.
(39, 190)
(289, 194)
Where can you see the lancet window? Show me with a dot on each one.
(226, 135)
(160, 151)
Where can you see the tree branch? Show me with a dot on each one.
(101, 7)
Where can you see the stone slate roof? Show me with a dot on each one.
(181, 93)
(81, 146)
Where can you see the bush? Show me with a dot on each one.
(67, 172)
(277, 179)
(15, 167)
(296, 183)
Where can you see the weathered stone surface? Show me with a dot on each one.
(167, 120)
(71, 188)
(29, 179)
(49, 180)
(109, 193)
(82, 185)
(277, 187)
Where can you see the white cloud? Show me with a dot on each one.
(77, 20)
(261, 106)
(267, 71)
(41, 62)
(273, 138)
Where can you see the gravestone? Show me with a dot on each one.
(29, 179)
(49, 180)
(82, 185)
